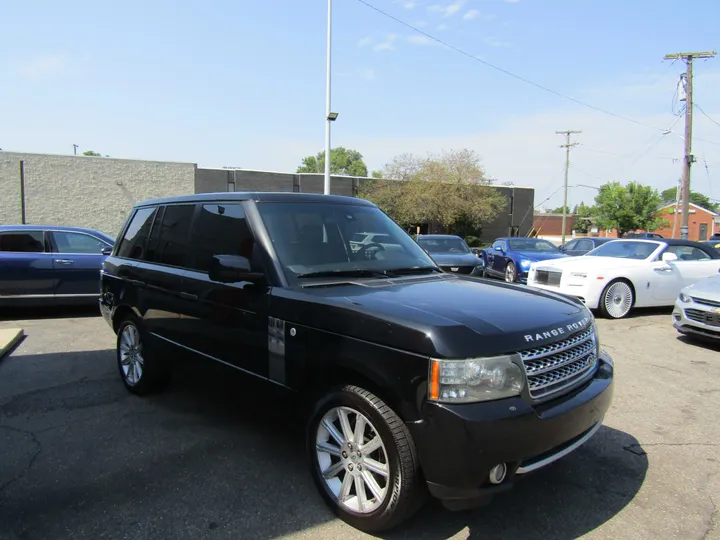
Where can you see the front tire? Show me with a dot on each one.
(363, 460)
(617, 299)
(510, 272)
(140, 369)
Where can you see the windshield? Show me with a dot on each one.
(444, 245)
(314, 238)
(624, 250)
(531, 244)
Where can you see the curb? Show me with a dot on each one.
(9, 338)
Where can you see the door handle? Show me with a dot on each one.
(188, 296)
(664, 269)
(64, 261)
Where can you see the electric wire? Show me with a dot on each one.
(505, 71)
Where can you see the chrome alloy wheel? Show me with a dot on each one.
(618, 299)
(352, 460)
(131, 359)
(510, 273)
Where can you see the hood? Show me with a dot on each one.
(455, 259)
(539, 255)
(590, 263)
(443, 316)
(707, 289)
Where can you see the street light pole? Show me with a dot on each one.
(327, 100)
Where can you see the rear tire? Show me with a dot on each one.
(140, 369)
(368, 475)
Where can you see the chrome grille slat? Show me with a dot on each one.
(552, 368)
(554, 348)
(706, 302)
(701, 316)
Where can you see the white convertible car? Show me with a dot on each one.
(623, 274)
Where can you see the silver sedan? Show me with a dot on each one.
(697, 309)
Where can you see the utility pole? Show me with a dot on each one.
(328, 114)
(688, 58)
(567, 147)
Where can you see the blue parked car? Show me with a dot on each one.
(42, 265)
(581, 246)
(510, 258)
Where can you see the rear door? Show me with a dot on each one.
(226, 321)
(499, 258)
(693, 263)
(26, 267)
(77, 259)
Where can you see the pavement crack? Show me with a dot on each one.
(712, 522)
(38, 449)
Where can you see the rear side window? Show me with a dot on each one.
(221, 229)
(132, 246)
(22, 241)
(70, 242)
(173, 236)
(584, 245)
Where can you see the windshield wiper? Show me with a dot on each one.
(347, 273)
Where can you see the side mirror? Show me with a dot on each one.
(475, 251)
(233, 269)
(107, 250)
(669, 257)
(499, 249)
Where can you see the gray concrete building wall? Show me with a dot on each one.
(83, 191)
(218, 180)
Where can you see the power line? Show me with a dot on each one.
(505, 71)
(699, 108)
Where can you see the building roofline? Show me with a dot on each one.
(41, 154)
(692, 204)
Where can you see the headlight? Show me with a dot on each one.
(525, 263)
(685, 298)
(479, 379)
(580, 275)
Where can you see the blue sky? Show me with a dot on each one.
(242, 83)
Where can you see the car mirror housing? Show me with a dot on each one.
(233, 269)
(107, 250)
(669, 257)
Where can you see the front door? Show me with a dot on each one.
(26, 267)
(703, 231)
(77, 259)
(227, 322)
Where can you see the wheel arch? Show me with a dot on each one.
(120, 313)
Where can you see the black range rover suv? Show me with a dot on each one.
(423, 380)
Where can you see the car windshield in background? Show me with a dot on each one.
(443, 245)
(624, 250)
(320, 239)
(530, 244)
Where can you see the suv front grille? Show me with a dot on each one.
(707, 317)
(548, 277)
(555, 367)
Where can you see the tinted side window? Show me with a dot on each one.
(69, 242)
(132, 246)
(174, 235)
(221, 229)
(22, 241)
(688, 253)
(584, 245)
(571, 245)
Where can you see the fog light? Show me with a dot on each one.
(497, 473)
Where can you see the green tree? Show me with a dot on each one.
(450, 188)
(343, 162)
(559, 210)
(669, 196)
(628, 208)
(585, 217)
(91, 153)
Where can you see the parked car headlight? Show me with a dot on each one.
(524, 263)
(473, 380)
(685, 298)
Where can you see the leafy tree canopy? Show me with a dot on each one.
(628, 208)
(669, 196)
(343, 162)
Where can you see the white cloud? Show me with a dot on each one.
(442, 27)
(494, 42)
(366, 73)
(367, 40)
(418, 39)
(447, 10)
(471, 14)
(43, 66)
(387, 45)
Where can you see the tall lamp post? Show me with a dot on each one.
(329, 116)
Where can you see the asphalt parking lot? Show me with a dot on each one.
(217, 457)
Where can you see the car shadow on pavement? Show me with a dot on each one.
(700, 343)
(217, 455)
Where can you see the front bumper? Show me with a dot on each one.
(692, 326)
(589, 293)
(458, 445)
